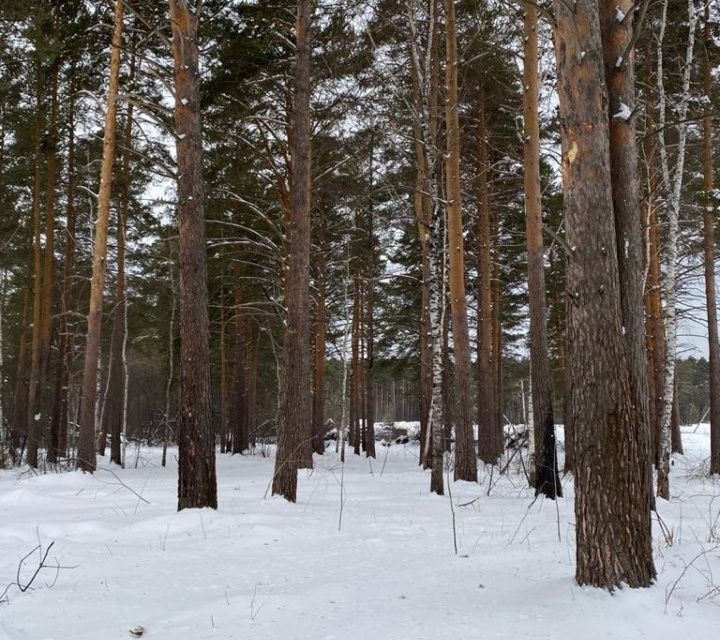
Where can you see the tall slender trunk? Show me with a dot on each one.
(546, 477)
(613, 530)
(673, 188)
(354, 440)
(294, 445)
(197, 483)
(171, 369)
(239, 397)
(318, 414)
(34, 401)
(486, 386)
(86, 439)
(59, 425)
(224, 403)
(116, 383)
(49, 253)
(709, 246)
(19, 422)
(465, 463)
(497, 337)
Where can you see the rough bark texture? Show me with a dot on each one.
(295, 412)
(465, 463)
(612, 500)
(486, 386)
(86, 438)
(546, 477)
(197, 484)
(625, 182)
(709, 246)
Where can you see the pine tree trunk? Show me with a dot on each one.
(239, 397)
(86, 439)
(465, 463)
(369, 367)
(625, 183)
(197, 484)
(486, 385)
(32, 423)
(295, 414)
(612, 503)
(709, 246)
(116, 384)
(546, 476)
(497, 337)
(59, 425)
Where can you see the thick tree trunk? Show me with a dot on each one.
(486, 386)
(709, 246)
(295, 414)
(612, 501)
(86, 439)
(546, 477)
(197, 484)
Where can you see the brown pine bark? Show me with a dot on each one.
(612, 500)
(32, 428)
(546, 477)
(49, 251)
(465, 463)
(709, 251)
(224, 401)
(253, 354)
(295, 413)
(197, 483)
(497, 337)
(486, 385)
(86, 438)
(58, 427)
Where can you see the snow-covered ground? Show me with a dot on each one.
(262, 568)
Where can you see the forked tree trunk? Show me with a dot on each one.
(486, 386)
(86, 440)
(546, 477)
(295, 413)
(619, 63)
(197, 483)
(612, 505)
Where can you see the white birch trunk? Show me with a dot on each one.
(672, 183)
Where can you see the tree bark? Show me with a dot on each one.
(709, 252)
(32, 425)
(58, 428)
(465, 463)
(318, 415)
(546, 477)
(486, 385)
(197, 483)
(612, 503)
(86, 439)
(295, 414)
